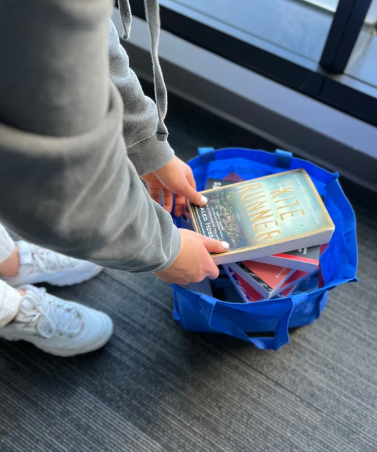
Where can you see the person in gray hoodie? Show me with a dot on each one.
(77, 134)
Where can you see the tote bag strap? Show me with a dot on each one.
(283, 158)
(206, 154)
(224, 323)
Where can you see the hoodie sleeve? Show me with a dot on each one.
(66, 181)
(140, 116)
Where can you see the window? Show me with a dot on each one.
(326, 49)
(284, 23)
(362, 65)
(331, 5)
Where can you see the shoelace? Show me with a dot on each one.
(49, 261)
(45, 307)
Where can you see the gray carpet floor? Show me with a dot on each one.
(156, 387)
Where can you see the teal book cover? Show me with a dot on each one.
(263, 212)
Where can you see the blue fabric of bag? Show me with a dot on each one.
(251, 321)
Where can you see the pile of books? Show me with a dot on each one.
(277, 227)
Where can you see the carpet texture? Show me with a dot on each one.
(155, 387)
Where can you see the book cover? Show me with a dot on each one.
(323, 248)
(247, 293)
(306, 259)
(264, 216)
(230, 179)
(287, 292)
(266, 279)
(309, 283)
(233, 177)
(296, 278)
(217, 183)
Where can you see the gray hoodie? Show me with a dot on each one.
(76, 132)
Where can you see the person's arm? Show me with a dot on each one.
(66, 181)
(139, 115)
(154, 160)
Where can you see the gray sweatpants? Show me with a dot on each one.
(10, 299)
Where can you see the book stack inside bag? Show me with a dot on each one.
(277, 228)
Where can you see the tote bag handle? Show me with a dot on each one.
(223, 318)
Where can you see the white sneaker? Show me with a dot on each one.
(56, 326)
(38, 265)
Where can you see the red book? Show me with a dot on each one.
(288, 291)
(266, 279)
(246, 292)
(233, 177)
(230, 179)
(321, 281)
(294, 279)
(306, 259)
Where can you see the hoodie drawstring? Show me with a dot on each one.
(152, 13)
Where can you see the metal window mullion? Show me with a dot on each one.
(347, 23)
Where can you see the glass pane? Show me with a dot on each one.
(371, 18)
(362, 65)
(293, 25)
(329, 5)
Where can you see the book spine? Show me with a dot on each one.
(236, 284)
(250, 280)
(249, 255)
(289, 263)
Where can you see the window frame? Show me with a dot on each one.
(348, 20)
(319, 81)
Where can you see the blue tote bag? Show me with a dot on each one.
(266, 323)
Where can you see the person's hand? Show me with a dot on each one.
(175, 177)
(194, 262)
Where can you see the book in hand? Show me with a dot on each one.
(230, 179)
(265, 216)
(306, 259)
(264, 278)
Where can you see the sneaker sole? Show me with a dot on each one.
(56, 352)
(62, 279)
